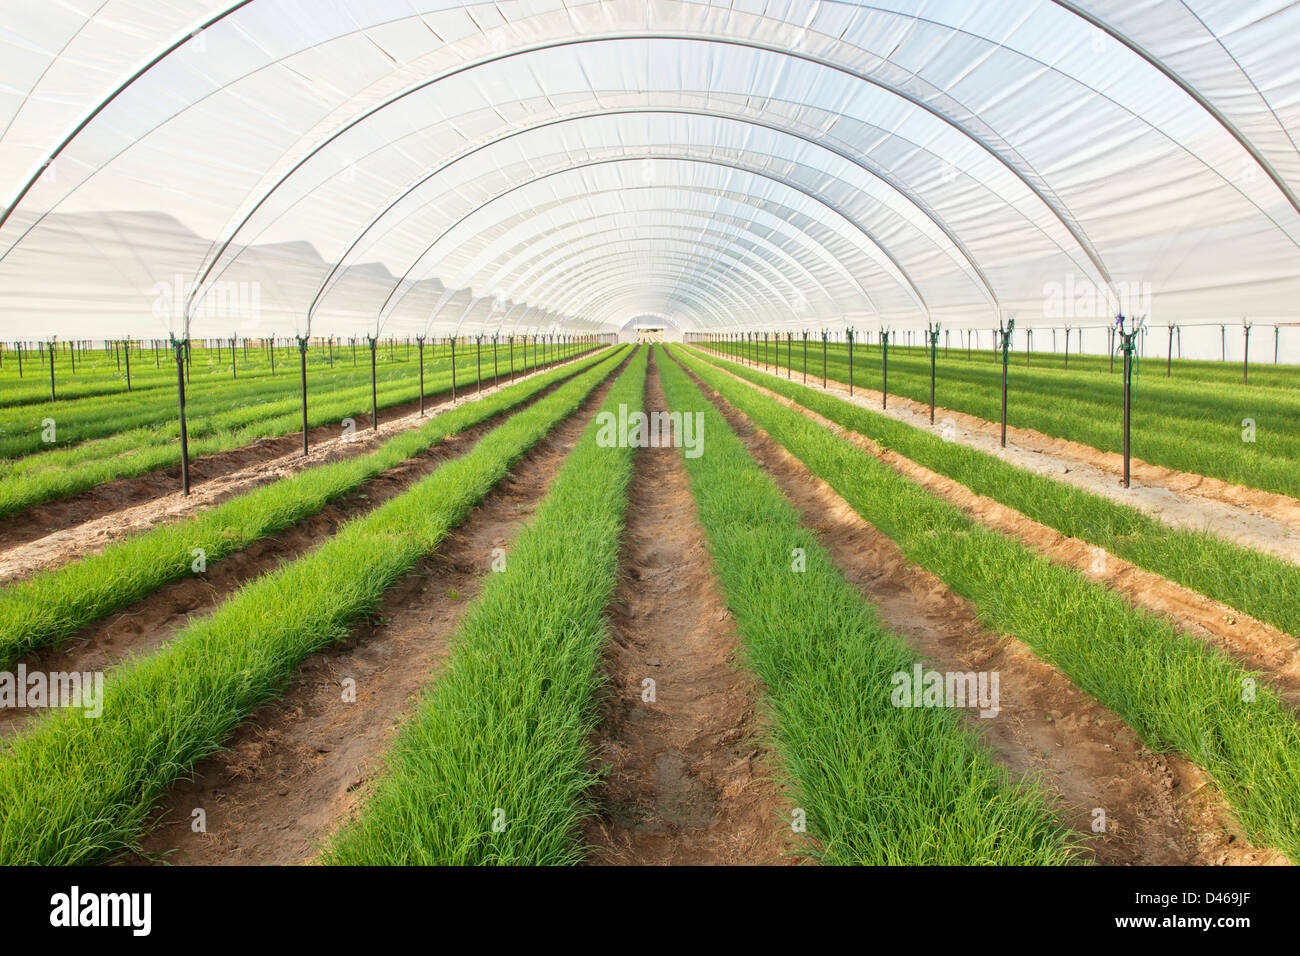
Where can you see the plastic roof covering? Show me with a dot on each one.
(524, 166)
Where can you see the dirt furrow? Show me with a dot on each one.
(1258, 519)
(152, 621)
(1158, 809)
(50, 534)
(296, 768)
(1259, 646)
(688, 783)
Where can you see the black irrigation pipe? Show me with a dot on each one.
(302, 364)
(419, 343)
(884, 368)
(1128, 345)
(126, 351)
(1006, 356)
(374, 393)
(932, 336)
(52, 395)
(178, 348)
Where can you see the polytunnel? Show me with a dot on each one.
(395, 167)
(551, 433)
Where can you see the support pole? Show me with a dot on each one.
(419, 345)
(302, 364)
(1005, 333)
(374, 390)
(1245, 356)
(932, 336)
(884, 368)
(1128, 344)
(178, 348)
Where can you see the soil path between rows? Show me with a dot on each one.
(1258, 519)
(297, 768)
(1257, 645)
(151, 622)
(688, 782)
(58, 531)
(1159, 808)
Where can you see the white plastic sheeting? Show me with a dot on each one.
(421, 167)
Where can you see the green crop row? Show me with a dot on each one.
(53, 604)
(1259, 584)
(1177, 692)
(74, 788)
(44, 477)
(494, 764)
(1187, 426)
(879, 784)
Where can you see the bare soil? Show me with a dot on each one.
(1259, 646)
(58, 531)
(298, 766)
(151, 622)
(1159, 808)
(1258, 519)
(689, 782)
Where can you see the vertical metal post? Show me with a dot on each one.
(932, 335)
(302, 361)
(1006, 356)
(884, 368)
(374, 389)
(178, 348)
(419, 344)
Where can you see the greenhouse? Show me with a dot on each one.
(546, 433)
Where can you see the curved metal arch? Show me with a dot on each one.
(579, 288)
(702, 300)
(743, 200)
(541, 280)
(736, 232)
(751, 243)
(108, 101)
(1057, 213)
(966, 255)
(909, 284)
(1231, 128)
(574, 282)
(1094, 21)
(665, 288)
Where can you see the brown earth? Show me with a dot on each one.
(152, 621)
(1159, 808)
(297, 767)
(59, 531)
(1258, 519)
(1257, 645)
(688, 781)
